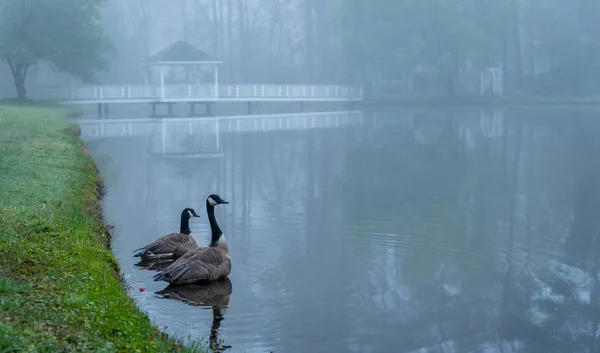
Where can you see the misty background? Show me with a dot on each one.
(433, 229)
(544, 47)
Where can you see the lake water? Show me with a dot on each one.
(383, 231)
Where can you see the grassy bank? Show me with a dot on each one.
(59, 284)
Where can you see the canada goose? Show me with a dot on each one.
(174, 244)
(202, 264)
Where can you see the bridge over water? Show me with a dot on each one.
(202, 93)
(199, 94)
(181, 55)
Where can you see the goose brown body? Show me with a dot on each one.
(173, 244)
(210, 263)
(198, 265)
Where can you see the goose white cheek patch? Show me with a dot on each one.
(212, 202)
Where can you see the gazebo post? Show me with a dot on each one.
(147, 74)
(162, 82)
(216, 66)
(198, 71)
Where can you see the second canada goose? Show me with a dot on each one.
(174, 244)
(210, 263)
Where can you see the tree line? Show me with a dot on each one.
(542, 46)
(431, 46)
(259, 41)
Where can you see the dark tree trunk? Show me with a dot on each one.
(243, 38)
(230, 38)
(19, 73)
(309, 42)
(505, 59)
(324, 69)
(273, 27)
(516, 38)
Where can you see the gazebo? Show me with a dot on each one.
(182, 54)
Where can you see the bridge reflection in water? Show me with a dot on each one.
(200, 137)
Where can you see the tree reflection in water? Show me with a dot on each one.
(485, 269)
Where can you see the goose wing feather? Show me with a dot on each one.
(175, 243)
(200, 264)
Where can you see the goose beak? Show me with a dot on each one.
(195, 215)
(224, 202)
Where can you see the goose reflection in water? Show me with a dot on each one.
(158, 265)
(213, 294)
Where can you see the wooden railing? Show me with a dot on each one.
(100, 94)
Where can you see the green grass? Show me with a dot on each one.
(59, 285)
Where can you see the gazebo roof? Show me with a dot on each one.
(182, 52)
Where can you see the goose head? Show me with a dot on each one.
(214, 200)
(188, 213)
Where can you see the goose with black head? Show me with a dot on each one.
(173, 244)
(210, 263)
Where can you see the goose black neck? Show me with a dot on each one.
(214, 226)
(185, 225)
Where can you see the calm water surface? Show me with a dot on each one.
(392, 231)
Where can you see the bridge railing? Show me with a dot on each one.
(178, 127)
(202, 91)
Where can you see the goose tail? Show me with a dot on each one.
(161, 276)
(140, 252)
(171, 273)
